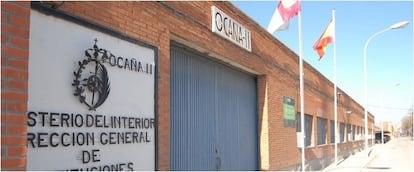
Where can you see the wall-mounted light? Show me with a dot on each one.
(52, 4)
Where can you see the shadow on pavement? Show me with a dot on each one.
(378, 168)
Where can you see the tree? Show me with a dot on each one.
(407, 124)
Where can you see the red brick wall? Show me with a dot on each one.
(189, 23)
(15, 21)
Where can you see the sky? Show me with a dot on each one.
(390, 55)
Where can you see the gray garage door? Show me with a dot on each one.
(213, 115)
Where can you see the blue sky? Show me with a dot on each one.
(389, 55)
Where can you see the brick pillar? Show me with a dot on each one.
(15, 26)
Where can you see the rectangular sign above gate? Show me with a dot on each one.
(91, 99)
(226, 27)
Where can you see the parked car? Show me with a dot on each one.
(378, 138)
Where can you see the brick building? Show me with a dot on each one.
(170, 86)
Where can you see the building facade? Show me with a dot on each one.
(160, 86)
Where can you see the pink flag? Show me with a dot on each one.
(286, 10)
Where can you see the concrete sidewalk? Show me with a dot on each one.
(355, 162)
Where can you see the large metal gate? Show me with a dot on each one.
(213, 115)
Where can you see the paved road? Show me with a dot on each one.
(394, 156)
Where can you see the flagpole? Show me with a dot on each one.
(302, 109)
(335, 89)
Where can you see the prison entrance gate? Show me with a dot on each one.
(213, 115)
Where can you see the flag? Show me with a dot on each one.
(326, 38)
(286, 10)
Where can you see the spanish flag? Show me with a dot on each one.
(326, 38)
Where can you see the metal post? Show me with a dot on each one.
(335, 89)
(382, 131)
(302, 99)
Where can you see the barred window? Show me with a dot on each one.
(321, 123)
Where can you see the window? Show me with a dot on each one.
(358, 136)
(362, 133)
(321, 123)
(308, 128)
(298, 119)
(353, 132)
(348, 132)
(332, 127)
(341, 132)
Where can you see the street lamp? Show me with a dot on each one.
(394, 26)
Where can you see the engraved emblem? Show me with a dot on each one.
(91, 81)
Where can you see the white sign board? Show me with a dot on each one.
(91, 102)
(229, 29)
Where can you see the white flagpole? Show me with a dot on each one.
(335, 91)
(412, 110)
(302, 109)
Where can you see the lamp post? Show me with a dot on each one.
(394, 26)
